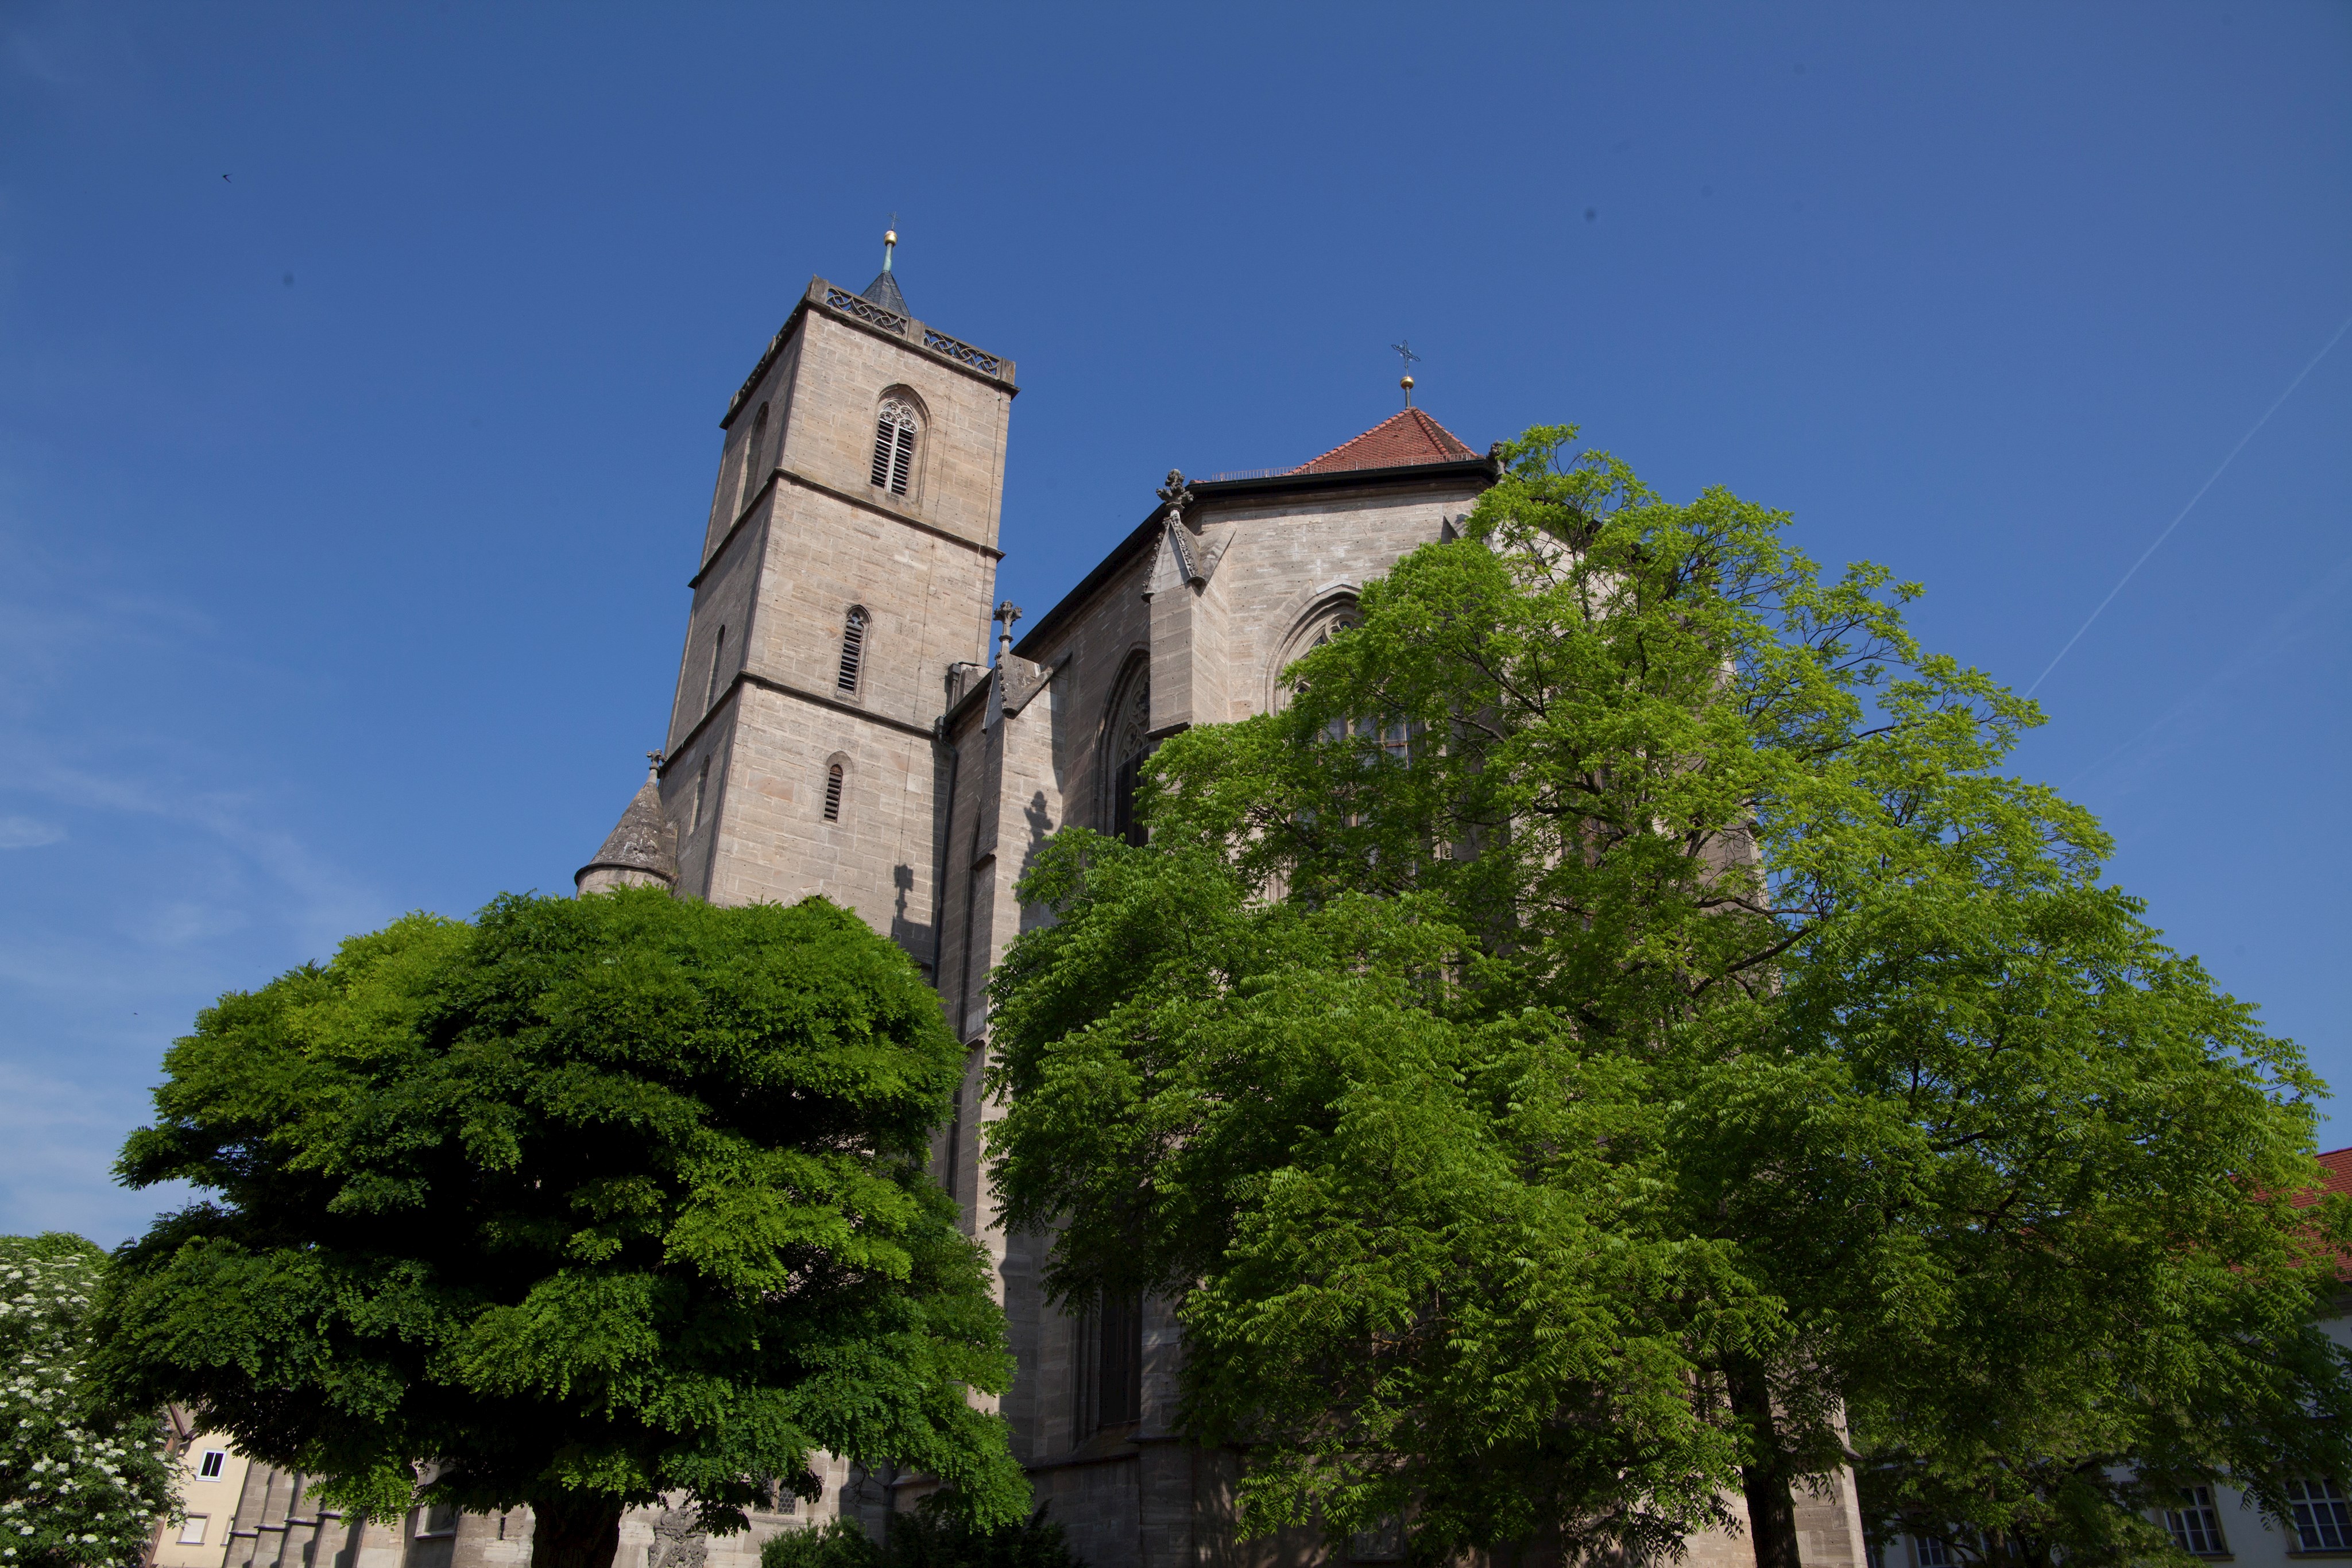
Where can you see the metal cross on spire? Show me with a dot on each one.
(1404, 351)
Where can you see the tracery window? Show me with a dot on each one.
(853, 648)
(894, 445)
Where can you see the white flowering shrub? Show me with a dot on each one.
(81, 1486)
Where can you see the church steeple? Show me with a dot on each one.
(883, 289)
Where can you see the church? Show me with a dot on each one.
(840, 729)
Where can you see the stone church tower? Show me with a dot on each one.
(839, 729)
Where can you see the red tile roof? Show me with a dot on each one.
(1411, 437)
(2337, 1165)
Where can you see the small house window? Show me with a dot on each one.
(2196, 1525)
(2323, 1518)
(853, 648)
(192, 1532)
(833, 793)
(752, 449)
(1932, 1552)
(894, 447)
(209, 1468)
(440, 1519)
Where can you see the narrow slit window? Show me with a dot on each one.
(894, 447)
(853, 648)
(718, 656)
(751, 450)
(701, 784)
(833, 793)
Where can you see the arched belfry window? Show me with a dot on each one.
(832, 780)
(853, 648)
(752, 448)
(1127, 742)
(894, 445)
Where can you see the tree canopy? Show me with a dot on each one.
(82, 1478)
(582, 1202)
(1617, 1034)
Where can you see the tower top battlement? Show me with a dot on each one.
(859, 310)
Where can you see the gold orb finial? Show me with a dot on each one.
(890, 236)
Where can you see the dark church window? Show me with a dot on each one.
(751, 448)
(853, 648)
(1109, 1367)
(894, 447)
(833, 793)
(1127, 744)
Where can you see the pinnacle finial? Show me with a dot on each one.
(653, 761)
(890, 240)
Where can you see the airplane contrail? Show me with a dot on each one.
(2175, 522)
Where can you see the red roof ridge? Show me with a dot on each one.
(1401, 441)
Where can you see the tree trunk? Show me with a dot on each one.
(1771, 1506)
(575, 1532)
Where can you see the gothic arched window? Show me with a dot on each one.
(894, 445)
(752, 449)
(1127, 742)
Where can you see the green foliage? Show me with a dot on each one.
(1691, 1043)
(82, 1478)
(836, 1543)
(588, 1201)
(939, 1533)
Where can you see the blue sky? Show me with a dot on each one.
(347, 501)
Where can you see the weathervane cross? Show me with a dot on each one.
(1404, 351)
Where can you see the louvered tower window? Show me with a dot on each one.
(853, 648)
(894, 447)
(833, 793)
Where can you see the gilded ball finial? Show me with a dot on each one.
(1406, 381)
(890, 236)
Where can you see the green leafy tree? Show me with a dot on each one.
(1618, 1034)
(938, 1533)
(82, 1478)
(583, 1202)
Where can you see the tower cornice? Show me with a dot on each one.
(861, 314)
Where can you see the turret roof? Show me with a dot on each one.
(642, 840)
(1409, 438)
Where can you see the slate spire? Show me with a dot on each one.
(883, 289)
